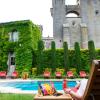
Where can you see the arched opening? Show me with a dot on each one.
(70, 2)
(72, 14)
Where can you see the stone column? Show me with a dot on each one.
(66, 34)
(84, 35)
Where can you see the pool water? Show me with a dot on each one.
(33, 85)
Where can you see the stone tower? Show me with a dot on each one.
(84, 27)
(58, 13)
(90, 13)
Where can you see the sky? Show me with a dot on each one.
(38, 11)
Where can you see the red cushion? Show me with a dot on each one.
(58, 73)
(82, 74)
(2, 73)
(70, 73)
(46, 73)
(15, 74)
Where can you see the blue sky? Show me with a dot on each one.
(36, 10)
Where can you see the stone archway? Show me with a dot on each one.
(73, 12)
(73, 9)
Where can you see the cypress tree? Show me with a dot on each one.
(53, 56)
(40, 56)
(77, 56)
(92, 53)
(66, 56)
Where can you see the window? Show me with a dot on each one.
(72, 14)
(13, 36)
(70, 2)
(12, 60)
(97, 12)
(73, 23)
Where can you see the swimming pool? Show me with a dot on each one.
(33, 85)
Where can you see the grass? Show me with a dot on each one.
(11, 96)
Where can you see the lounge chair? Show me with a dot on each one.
(82, 74)
(3, 74)
(70, 74)
(92, 91)
(14, 74)
(46, 74)
(58, 74)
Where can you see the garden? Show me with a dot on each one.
(53, 60)
(61, 60)
(31, 57)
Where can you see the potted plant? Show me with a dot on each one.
(34, 71)
(25, 74)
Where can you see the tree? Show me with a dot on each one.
(53, 56)
(40, 56)
(77, 56)
(92, 53)
(66, 56)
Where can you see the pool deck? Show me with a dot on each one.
(28, 80)
(14, 90)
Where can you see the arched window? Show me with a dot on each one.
(13, 36)
(71, 15)
(70, 2)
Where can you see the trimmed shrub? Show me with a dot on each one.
(77, 56)
(40, 57)
(66, 56)
(92, 53)
(53, 56)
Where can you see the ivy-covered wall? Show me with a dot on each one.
(28, 36)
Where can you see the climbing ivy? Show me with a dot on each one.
(28, 36)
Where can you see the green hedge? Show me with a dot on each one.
(85, 62)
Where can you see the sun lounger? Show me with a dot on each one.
(83, 74)
(3, 74)
(14, 74)
(70, 74)
(58, 74)
(92, 91)
(46, 74)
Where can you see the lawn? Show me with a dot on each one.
(11, 96)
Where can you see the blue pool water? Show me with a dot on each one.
(33, 85)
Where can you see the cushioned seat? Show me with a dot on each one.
(70, 74)
(46, 74)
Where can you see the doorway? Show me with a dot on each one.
(11, 63)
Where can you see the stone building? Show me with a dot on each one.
(47, 42)
(84, 27)
(18, 39)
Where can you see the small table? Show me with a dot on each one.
(61, 97)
